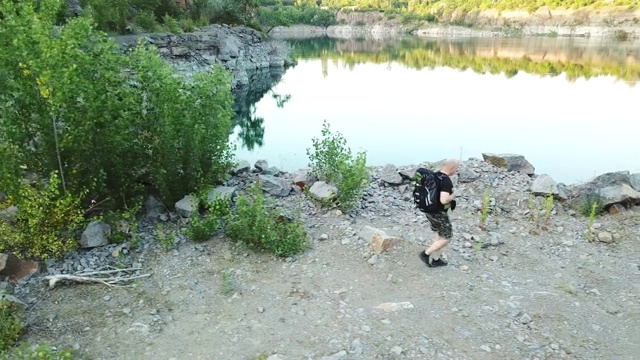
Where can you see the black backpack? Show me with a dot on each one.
(426, 190)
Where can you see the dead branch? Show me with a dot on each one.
(96, 277)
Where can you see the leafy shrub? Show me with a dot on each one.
(256, 224)
(11, 323)
(171, 24)
(147, 21)
(46, 223)
(202, 228)
(188, 25)
(592, 206)
(42, 352)
(106, 121)
(331, 161)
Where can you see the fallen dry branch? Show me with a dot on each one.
(97, 277)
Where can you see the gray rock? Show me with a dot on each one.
(619, 194)
(261, 165)
(466, 175)
(302, 179)
(187, 206)
(9, 214)
(154, 208)
(323, 191)
(356, 347)
(274, 185)
(179, 51)
(611, 178)
(408, 174)
(511, 162)
(242, 166)
(221, 192)
(96, 234)
(544, 185)
(272, 170)
(389, 174)
(635, 181)
(337, 356)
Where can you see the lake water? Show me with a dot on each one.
(570, 106)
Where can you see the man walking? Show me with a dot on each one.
(439, 220)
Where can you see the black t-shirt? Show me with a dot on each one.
(445, 185)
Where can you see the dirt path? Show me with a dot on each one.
(552, 296)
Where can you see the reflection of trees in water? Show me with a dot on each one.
(251, 133)
(545, 56)
(250, 127)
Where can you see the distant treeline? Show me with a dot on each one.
(441, 53)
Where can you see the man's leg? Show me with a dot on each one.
(441, 224)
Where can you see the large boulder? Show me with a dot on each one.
(467, 175)
(187, 206)
(389, 174)
(322, 191)
(241, 166)
(511, 162)
(611, 187)
(619, 194)
(274, 185)
(544, 185)
(635, 181)
(221, 192)
(96, 234)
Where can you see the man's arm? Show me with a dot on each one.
(446, 197)
(446, 191)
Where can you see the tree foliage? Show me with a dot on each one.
(73, 103)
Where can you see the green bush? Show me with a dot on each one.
(46, 224)
(11, 324)
(171, 24)
(147, 21)
(202, 228)
(42, 352)
(592, 206)
(256, 224)
(106, 121)
(331, 161)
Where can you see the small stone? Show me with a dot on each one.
(396, 350)
(324, 237)
(555, 346)
(605, 237)
(260, 309)
(485, 348)
(107, 298)
(127, 311)
(464, 268)
(525, 319)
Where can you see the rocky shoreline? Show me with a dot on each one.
(384, 222)
(509, 178)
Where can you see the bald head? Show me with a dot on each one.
(450, 166)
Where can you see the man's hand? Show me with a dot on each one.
(453, 204)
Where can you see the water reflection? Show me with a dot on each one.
(575, 57)
(410, 100)
(249, 128)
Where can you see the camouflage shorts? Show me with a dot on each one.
(440, 223)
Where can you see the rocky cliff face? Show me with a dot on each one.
(241, 50)
(616, 22)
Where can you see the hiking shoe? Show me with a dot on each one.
(439, 262)
(425, 258)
